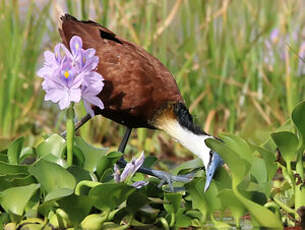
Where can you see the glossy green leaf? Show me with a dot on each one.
(109, 195)
(238, 166)
(52, 176)
(58, 193)
(92, 154)
(54, 145)
(239, 146)
(77, 207)
(14, 151)
(298, 115)
(287, 143)
(15, 199)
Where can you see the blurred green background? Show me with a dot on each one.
(238, 64)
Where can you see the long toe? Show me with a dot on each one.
(167, 178)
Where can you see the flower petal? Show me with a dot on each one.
(88, 108)
(140, 184)
(116, 173)
(64, 101)
(54, 95)
(94, 100)
(75, 94)
(76, 45)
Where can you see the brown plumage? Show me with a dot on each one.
(139, 91)
(138, 87)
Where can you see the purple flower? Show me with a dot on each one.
(130, 169)
(70, 76)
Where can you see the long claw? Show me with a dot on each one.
(216, 162)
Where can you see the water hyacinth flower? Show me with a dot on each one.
(130, 169)
(69, 75)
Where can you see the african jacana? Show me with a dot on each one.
(139, 91)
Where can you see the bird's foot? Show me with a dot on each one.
(167, 178)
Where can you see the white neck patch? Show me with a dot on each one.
(193, 142)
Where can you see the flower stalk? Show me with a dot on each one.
(70, 134)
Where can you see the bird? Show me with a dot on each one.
(139, 92)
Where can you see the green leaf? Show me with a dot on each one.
(58, 193)
(15, 199)
(192, 164)
(79, 174)
(239, 167)
(136, 201)
(229, 200)
(258, 170)
(298, 115)
(52, 176)
(287, 143)
(7, 169)
(107, 161)
(79, 210)
(13, 180)
(182, 220)
(269, 160)
(25, 153)
(172, 202)
(195, 189)
(84, 186)
(54, 145)
(92, 154)
(239, 146)
(262, 215)
(14, 151)
(108, 196)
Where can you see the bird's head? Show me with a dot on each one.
(176, 120)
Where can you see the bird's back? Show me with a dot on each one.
(137, 85)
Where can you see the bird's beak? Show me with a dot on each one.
(216, 162)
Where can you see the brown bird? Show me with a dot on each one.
(139, 91)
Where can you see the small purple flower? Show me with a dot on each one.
(70, 76)
(130, 169)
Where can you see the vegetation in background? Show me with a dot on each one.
(239, 67)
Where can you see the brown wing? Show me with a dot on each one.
(137, 85)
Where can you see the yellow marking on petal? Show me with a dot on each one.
(66, 74)
(77, 46)
(84, 59)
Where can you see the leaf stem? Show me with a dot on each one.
(70, 134)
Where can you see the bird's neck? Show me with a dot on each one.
(178, 123)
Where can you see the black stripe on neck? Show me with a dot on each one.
(185, 119)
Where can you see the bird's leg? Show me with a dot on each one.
(78, 124)
(163, 176)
